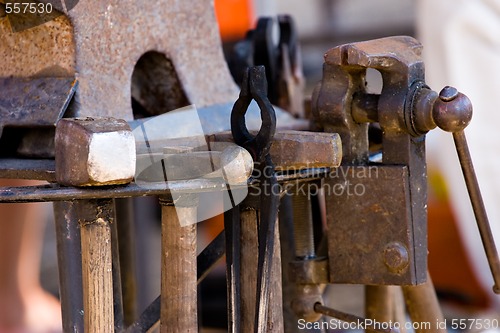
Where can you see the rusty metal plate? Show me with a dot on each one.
(45, 50)
(110, 37)
(34, 102)
(370, 231)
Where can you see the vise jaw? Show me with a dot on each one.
(376, 212)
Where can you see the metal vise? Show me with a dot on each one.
(377, 212)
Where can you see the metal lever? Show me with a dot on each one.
(478, 207)
(452, 112)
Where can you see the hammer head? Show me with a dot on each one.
(94, 151)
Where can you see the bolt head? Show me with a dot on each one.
(396, 257)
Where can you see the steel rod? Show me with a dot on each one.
(117, 276)
(232, 227)
(347, 317)
(56, 192)
(70, 264)
(423, 307)
(126, 248)
(478, 207)
(379, 304)
(210, 256)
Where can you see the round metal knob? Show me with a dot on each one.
(452, 111)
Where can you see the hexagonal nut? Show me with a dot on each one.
(94, 151)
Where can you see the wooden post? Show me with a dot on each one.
(178, 269)
(95, 219)
(249, 241)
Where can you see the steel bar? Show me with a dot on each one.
(232, 229)
(95, 228)
(60, 193)
(379, 304)
(147, 319)
(70, 264)
(423, 307)
(478, 207)
(287, 255)
(346, 317)
(126, 248)
(117, 275)
(210, 256)
(178, 269)
(34, 102)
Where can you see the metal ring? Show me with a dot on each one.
(254, 87)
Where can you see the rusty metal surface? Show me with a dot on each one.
(34, 102)
(301, 150)
(31, 16)
(45, 50)
(313, 271)
(110, 37)
(295, 150)
(380, 231)
(102, 42)
(402, 172)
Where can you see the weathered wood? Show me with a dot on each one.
(97, 265)
(275, 310)
(249, 241)
(178, 270)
